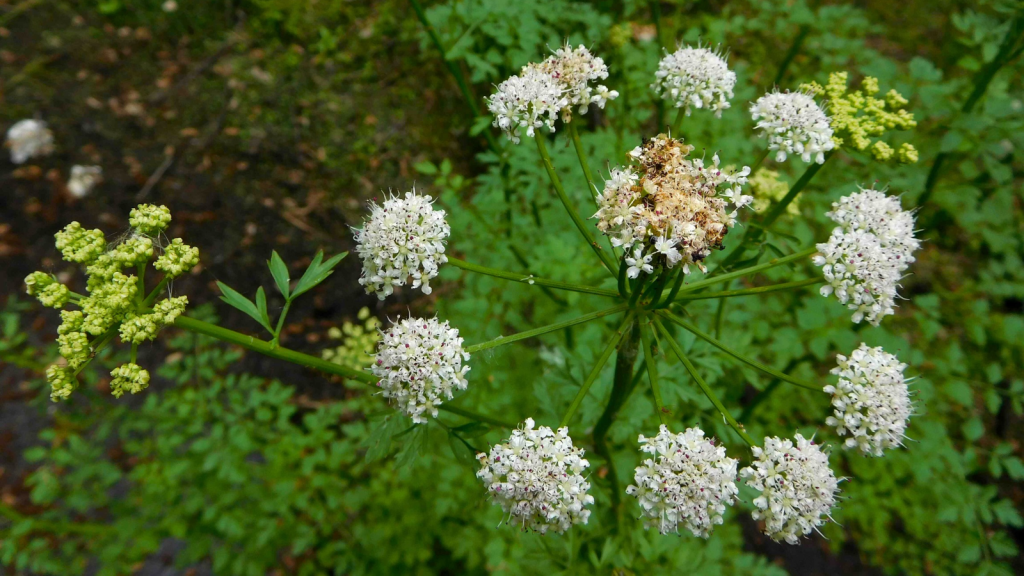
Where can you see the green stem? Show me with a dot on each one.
(621, 389)
(455, 71)
(749, 291)
(638, 289)
(156, 292)
(502, 340)
(760, 160)
(574, 135)
(52, 527)
(680, 278)
(140, 290)
(747, 271)
(652, 374)
(749, 361)
(623, 285)
(703, 385)
(530, 279)
(474, 416)
(677, 124)
(596, 370)
(280, 322)
(268, 349)
(794, 49)
(605, 257)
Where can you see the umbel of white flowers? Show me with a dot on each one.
(83, 180)
(537, 479)
(669, 210)
(797, 487)
(794, 124)
(535, 97)
(29, 138)
(871, 400)
(867, 254)
(420, 364)
(695, 78)
(403, 241)
(690, 482)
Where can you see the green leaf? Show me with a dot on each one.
(279, 270)
(461, 450)
(317, 272)
(425, 167)
(261, 305)
(472, 430)
(236, 300)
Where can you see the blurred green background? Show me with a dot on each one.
(268, 124)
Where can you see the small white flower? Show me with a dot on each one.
(574, 69)
(797, 487)
(638, 262)
(83, 179)
(794, 124)
(871, 400)
(528, 101)
(420, 363)
(403, 241)
(690, 483)
(170, 6)
(867, 254)
(695, 78)
(28, 139)
(537, 479)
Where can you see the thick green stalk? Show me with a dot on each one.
(652, 374)
(745, 271)
(446, 407)
(574, 135)
(502, 340)
(750, 291)
(760, 160)
(749, 361)
(596, 370)
(677, 124)
(606, 258)
(530, 279)
(621, 389)
(703, 385)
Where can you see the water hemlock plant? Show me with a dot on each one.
(666, 216)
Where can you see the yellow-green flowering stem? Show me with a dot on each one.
(750, 291)
(606, 258)
(156, 292)
(502, 340)
(530, 279)
(574, 135)
(745, 271)
(703, 385)
(652, 373)
(141, 291)
(749, 361)
(268, 349)
(474, 416)
(596, 370)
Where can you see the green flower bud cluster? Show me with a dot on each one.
(358, 341)
(128, 378)
(859, 119)
(47, 289)
(115, 303)
(177, 259)
(767, 187)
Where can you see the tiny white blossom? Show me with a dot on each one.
(83, 179)
(529, 101)
(574, 69)
(794, 124)
(690, 483)
(420, 363)
(871, 400)
(797, 487)
(403, 241)
(28, 139)
(695, 78)
(867, 254)
(537, 479)
(638, 262)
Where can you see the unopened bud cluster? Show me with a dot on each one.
(115, 303)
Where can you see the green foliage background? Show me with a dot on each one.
(252, 478)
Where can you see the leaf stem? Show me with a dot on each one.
(596, 370)
(474, 416)
(703, 385)
(750, 291)
(652, 374)
(574, 135)
(677, 124)
(746, 271)
(502, 340)
(530, 279)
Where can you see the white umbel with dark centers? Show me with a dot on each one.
(794, 124)
(695, 78)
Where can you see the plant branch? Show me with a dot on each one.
(750, 291)
(574, 135)
(530, 279)
(746, 271)
(596, 370)
(621, 389)
(474, 416)
(502, 340)
(652, 374)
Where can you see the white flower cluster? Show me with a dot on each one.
(695, 77)
(669, 210)
(691, 482)
(794, 124)
(83, 180)
(797, 487)
(871, 400)
(420, 363)
(29, 138)
(404, 238)
(867, 254)
(534, 97)
(536, 477)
